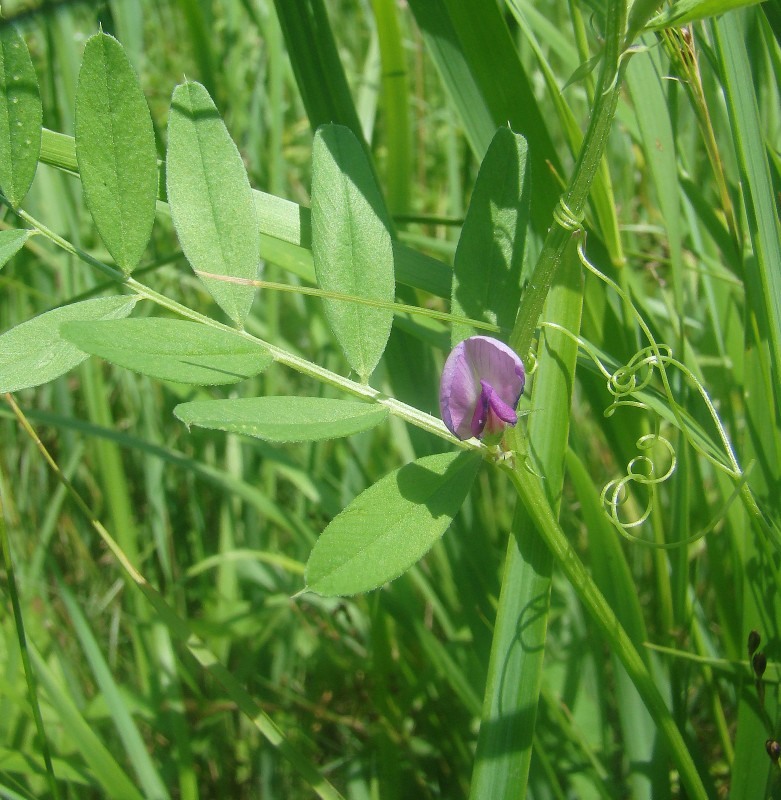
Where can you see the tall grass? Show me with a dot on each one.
(581, 629)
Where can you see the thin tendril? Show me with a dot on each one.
(624, 383)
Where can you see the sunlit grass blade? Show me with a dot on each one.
(504, 746)
(658, 144)
(106, 770)
(755, 176)
(395, 105)
(316, 64)
(470, 45)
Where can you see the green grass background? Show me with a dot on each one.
(382, 694)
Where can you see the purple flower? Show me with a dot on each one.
(482, 383)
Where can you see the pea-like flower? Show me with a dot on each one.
(482, 383)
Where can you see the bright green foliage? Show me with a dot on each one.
(115, 147)
(20, 116)
(351, 245)
(686, 11)
(489, 256)
(211, 200)
(172, 350)
(283, 419)
(11, 242)
(35, 352)
(390, 525)
(557, 641)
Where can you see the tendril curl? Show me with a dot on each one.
(625, 384)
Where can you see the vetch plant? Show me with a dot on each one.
(356, 503)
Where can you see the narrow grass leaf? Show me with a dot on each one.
(686, 11)
(283, 419)
(489, 257)
(759, 197)
(656, 134)
(172, 349)
(11, 242)
(396, 104)
(34, 352)
(211, 200)
(314, 56)
(148, 776)
(21, 115)
(515, 671)
(115, 148)
(614, 578)
(471, 45)
(351, 245)
(110, 776)
(391, 525)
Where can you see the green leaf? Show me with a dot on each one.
(211, 200)
(489, 257)
(21, 116)
(390, 525)
(115, 148)
(34, 352)
(172, 349)
(283, 419)
(686, 11)
(11, 242)
(351, 245)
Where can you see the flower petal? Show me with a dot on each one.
(482, 382)
(495, 362)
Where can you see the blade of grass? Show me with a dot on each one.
(107, 771)
(32, 684)
(148, 776)
(471, 45)
(181, 631)
(738, 83)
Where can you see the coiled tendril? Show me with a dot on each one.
(626, 384)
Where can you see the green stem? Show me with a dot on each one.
(363, 391)
(539, 509)
(572, 203)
